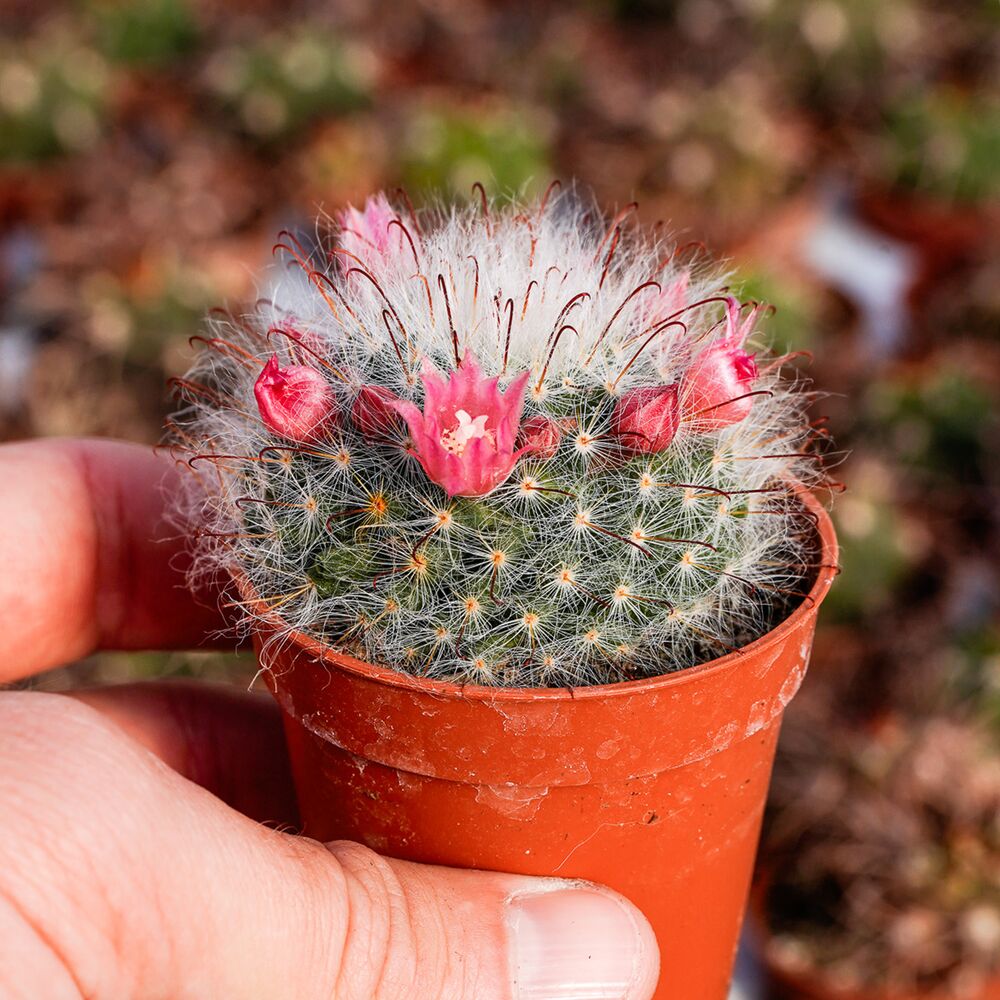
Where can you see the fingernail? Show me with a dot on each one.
(580, 941)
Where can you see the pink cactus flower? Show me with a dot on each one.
(296, 402)
(540, 436)
(368, 234)
(464, 439)
(646, 420)
(373, 413)
(715, 388)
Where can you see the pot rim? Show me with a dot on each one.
(449, 690)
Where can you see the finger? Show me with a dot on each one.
(88, 558)
(230, 742)
(146, 883)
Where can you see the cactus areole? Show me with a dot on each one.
(516, 500)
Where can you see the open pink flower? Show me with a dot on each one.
(645, 420)
(464, 439)
(715, 388)
(295, 402)
(368, 234)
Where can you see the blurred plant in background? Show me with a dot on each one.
(276, 84)
(52, 95)
(154, 33)
(885, 868)
(445, 151)
(947, 142)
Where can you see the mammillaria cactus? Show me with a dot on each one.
(521, 446)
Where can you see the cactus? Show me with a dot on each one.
(537, 454)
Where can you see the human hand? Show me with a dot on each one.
(133, 859)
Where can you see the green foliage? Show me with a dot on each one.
(51, 98)
(939, 427)
(874, 550)
(947, 142)
(977, 680)
(144, 32)
(794, 321)
(833, 51)
(282, 82)
(448, 150)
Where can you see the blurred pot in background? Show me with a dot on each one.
(881, 862)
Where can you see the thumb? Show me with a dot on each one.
(141, 883)
(420, 931)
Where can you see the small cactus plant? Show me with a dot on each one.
(522, 446)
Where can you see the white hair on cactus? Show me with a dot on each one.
(615, 557)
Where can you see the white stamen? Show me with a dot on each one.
(466, 431)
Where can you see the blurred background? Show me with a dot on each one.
(843, 155)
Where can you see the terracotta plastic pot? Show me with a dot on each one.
(654, 787)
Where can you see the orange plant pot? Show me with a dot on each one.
(654, 787)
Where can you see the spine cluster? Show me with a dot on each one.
(526, 447)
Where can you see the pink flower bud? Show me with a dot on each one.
(373, 413)
(646, 420)
(540, 436)
(464, 438)
(715, 388)
(295, 402)
(369, 234)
